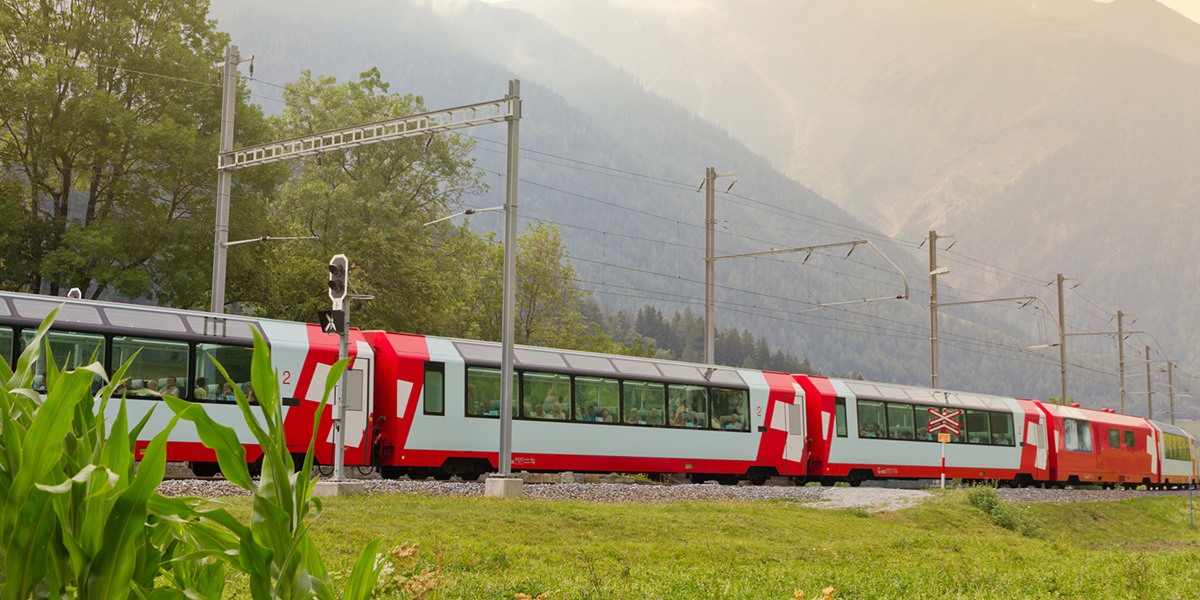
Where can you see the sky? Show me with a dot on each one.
(1187, 8)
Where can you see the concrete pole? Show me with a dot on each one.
(1062, 340)
(710, 224)
(933, 315)
(510, 282)
(1121, 357)
(1149, 390)
(1171, 387)
(224, 177)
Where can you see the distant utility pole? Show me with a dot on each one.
(1171, 387)
(1121, 357)
(710, 226)
(1149, 390)
(1062, 340)
(933, 304)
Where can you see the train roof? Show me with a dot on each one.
(926, 396)
(604, 365)
(1098, 416)
(135, 319)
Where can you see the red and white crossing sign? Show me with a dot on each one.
(943, 420)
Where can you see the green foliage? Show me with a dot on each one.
(369, 203)
(107, 168)
(944, 547)
(1002, 513)
(77, 513)
(276, 551)
(81, 517)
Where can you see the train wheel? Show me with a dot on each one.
(390, 472)
(828, 481)
(727, 479)
(698, 478)
(205, 469)
(441, 475)
(759, 476)
(470, 475)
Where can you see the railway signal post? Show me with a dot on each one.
(337, 321)
(942, 423)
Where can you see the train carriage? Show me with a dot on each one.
(866, 430)
(1175, 452)
(429, 406)
(437, 413)
(1100, 446)
(175, 352)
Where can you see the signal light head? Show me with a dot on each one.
(338, 277)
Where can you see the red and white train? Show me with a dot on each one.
(422, 406)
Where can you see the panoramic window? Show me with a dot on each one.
(598, 399)
(688, 405)
(210, 382)
(1176, 447)
(6, 345)
(978, 430)
(921, 418)
(644, 403)
(872, 423)
(546, 396)
(1002, 429)
(483, 392)
(900, 421)
(159, 367)
(730, 409)
(70, 350)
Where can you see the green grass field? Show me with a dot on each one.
(944, 548)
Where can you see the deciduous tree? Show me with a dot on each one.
(108, 139)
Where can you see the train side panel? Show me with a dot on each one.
(1176, 451)
(416, 439)
(1091, 446)
(870, 430)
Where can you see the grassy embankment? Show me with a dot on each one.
(944, 548)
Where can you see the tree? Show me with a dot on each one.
(107, 145)
(547, 299)
(368, 203)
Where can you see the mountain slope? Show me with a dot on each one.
(1047, 137)
(617, 168)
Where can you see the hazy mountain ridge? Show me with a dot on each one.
(1048, 137)
(579, 107)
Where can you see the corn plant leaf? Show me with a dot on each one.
(366, 571)
(220, 438)
(42, 449)
(23, 374)
(115, 565)
(25, 563)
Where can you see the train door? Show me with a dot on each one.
(793, 414)
(356, 410)
(1035, 435)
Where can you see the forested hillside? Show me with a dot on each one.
(617, 170)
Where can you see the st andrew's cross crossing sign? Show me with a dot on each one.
(943, 420)
(332, 321)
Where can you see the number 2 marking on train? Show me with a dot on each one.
(760, 411)
(287, 378)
